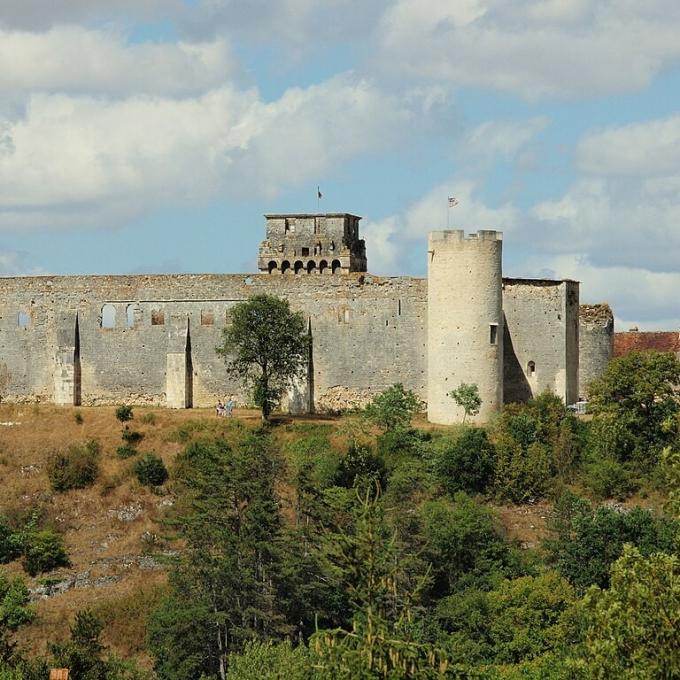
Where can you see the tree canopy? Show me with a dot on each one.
(266, 347)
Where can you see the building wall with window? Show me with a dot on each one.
(151, 339)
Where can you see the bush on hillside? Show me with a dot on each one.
(360, 463)
(132, 437)
(467, 462)
(606, 478)
(124, 413)
(150, 470)
(126, 451)
(76, 468)
(43, 551)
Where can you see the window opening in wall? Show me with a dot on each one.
(311, 266)
(130, 314)
(22, 320)
(346, 316)
(207, 317)
(299, 267)
(305, 252)
(493, 333)
(285, 266)
(157, 317)
(399, 307)
(323, 265)
(335, 266)
(108, 316)
(271, 266)
(531, 369)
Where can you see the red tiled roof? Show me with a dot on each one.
(659, 341)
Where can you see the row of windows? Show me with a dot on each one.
(133, 316)
(299, 267)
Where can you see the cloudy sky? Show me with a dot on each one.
(151, 135)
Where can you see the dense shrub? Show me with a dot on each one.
(360, 463)
(126, 451)
(75, 468)
(150, 470)
(587, 541)
(536, 443)
(606, 478)
(43, 551)
(124, 413)
(132, 437)
(10, 544)
(401, 442)
(394, 408)
(466, 463)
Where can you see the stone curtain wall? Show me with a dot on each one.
(368, 333)
(541, 338)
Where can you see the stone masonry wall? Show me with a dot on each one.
(541, 338)
(367, 332)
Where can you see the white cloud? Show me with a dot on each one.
(72, 59)
(537, 48)
(84, 161)
(647, 149)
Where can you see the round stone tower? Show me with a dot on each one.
(596, 344)
(465, 321)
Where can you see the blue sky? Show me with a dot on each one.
(152, 136)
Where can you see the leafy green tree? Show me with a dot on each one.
(466, 463)
(266, 347)
(466, 395)
(633, 627)
(394, 408)
(124, 413)
(150, 470)
(520, 620)
(14, 611)
(226, 583)
(43, 550)
(463, 543)
(637, 395)
(587, 541)
(82, 653)
(268, 661)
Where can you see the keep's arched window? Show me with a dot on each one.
(335, 266)
(108, 316)
(299, 267)
(323, 265)
(311, 266)
(531, 369)
(272, 266)
(285, 266)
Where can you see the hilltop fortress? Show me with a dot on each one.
(151, 339)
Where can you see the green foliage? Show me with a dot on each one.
(394, 408)
(518, 621)
(265, 347)
(226, 584)
(536, 444)
(150, 470)
(76, 468)
(14, 611)
(10, 544)
(132, 437)
(124, 413)
(670, 469)
(466, 395)
(395, 443)
(636, 399)
(587, 541)
(126, 451)
(466, 463)
(360, 464)
(633, 628)
(606, 478)
(268, 661)
(463, 543)
(43, 550)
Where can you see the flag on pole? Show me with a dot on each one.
(453, 202)
(318, 193)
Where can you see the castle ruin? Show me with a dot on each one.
(151, 339)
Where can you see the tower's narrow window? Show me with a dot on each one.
(108, 316)
(305, 252)
(531, 369)
(22, 319)
(493, 333)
